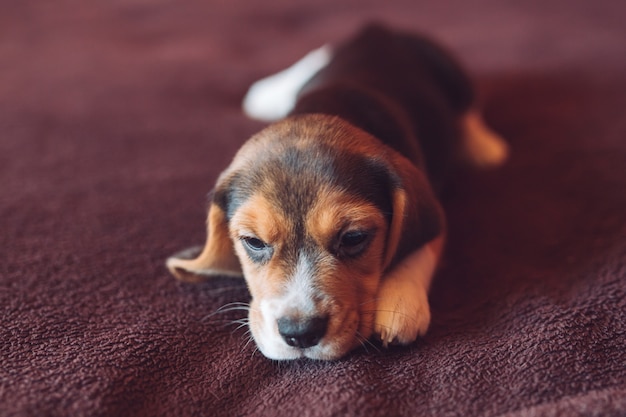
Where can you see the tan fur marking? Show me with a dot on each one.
(395, 229)
(335, 210)
(483, 148)
(257, 217)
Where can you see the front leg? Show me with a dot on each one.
(402, 310)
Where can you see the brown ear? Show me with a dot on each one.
(417, 216)
(217, 258)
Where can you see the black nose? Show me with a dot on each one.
(302, 332)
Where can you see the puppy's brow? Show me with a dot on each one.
(335, 211)
(257, 217)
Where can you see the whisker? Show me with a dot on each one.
(255, 350)
(393, 312)
(371, 344)
(226, 308)
(234, 303)
(365, 342)
(241, 325)
(370, 301)
(250, 339)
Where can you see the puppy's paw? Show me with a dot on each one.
(402, 312)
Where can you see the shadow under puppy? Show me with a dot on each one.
(331, 213)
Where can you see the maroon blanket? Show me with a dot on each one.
(117, 116)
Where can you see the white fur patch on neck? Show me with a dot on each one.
(272, 98)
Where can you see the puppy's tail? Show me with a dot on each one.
(272, 98)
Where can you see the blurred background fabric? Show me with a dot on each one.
(116, 118)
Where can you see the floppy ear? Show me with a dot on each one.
(217, 258)
(417, 217)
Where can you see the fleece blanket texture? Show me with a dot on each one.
(116, 118)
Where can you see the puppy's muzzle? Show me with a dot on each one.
(302, 332)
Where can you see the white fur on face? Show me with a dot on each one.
(298, 299)
(272, 98)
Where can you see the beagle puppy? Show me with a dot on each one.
(331, 213)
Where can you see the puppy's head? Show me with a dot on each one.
(313, 212)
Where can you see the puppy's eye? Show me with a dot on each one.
(353, 243)
(257, 250)
(254, 243)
